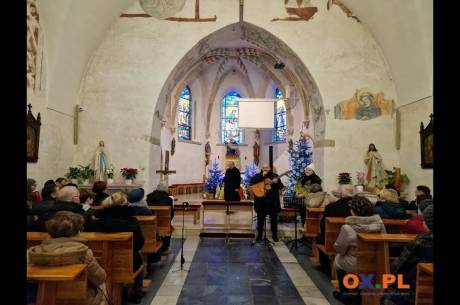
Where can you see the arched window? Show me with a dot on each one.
(184, 120)
(229, 115)
(279, 133)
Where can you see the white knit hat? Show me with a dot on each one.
(311, 166)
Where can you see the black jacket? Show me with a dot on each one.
(271, 201)
(120, 219)
(312, 179)
(391, 210)
(340, 208)
(67, 206)
(160, 197)
(232, 181)
(142, 211)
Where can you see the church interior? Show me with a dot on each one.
(232, 152)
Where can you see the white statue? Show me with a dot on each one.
(375, 172)
(100, 163)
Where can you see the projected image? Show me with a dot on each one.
(279, 133)
(230, 127)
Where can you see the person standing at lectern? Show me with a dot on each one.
(270, 203)
(232, 181)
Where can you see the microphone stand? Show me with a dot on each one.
(182, 258)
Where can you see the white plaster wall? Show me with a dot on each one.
(411, 117)
(128, 70)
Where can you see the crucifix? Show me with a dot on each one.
(165, 172)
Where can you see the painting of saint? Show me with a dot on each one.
(364, 106)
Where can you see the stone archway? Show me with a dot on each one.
(270, 50)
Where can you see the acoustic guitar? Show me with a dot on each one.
(260, 188)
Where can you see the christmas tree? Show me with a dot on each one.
(300, 156)
(249, 172)
(215, 178)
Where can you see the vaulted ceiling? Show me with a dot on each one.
(75, 29)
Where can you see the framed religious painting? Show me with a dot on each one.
(33, 135)
(426, 143)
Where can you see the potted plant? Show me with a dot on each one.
(86, 173)
(344, 178)
(73, 174)
(129, 174)
(390, 180)
(110, 172)
(360, 179)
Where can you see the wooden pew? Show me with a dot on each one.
(373, 257)
(148, 226)
(333, 226)
(113, 251)
(59, 285)
(163, 213)
(312, 229)
(424, 284)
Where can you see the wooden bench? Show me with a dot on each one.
(114, 253)
(312, 229)
(59, 285)
(186, 188)
(163, 213)
(424, 284)
(191, 210)
(373, 257)
(333, 226)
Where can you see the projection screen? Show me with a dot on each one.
(256, 113)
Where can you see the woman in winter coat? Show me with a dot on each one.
(362, 220)
(389, 206)
(117, 216)
(65, 247)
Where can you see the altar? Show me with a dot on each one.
(115, 187)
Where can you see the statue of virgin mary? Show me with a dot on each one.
(375, 172)
(100, 163)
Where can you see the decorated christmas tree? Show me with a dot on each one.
(215, 178)
(249, 172)
(300, 156)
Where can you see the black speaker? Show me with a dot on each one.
(270, 156)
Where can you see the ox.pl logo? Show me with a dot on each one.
(364, 281)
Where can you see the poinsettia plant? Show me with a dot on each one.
(129, 173)
(344, 178)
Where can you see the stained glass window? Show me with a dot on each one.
(279, 133)
(229, 115)
(184, 120)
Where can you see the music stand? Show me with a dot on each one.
(182, 258)
(296, 203)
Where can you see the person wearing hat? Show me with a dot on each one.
(362, 220)
(302, 188)
(161, 196)
(137, 201)
(420, 250)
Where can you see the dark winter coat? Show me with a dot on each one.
(121, 219)
(340, 208)
(271, 201)
(67, 206)
(232, 181)
(99, 197)
(391, 210)
(160, 197)
(309, 180)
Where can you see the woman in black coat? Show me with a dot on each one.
(116, 216)
(99, 188)
(232, 181)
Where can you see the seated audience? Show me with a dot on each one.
(65, 247)
(49, 182)
(317, 198)
(389, 205)
(86, 197)
(362, 220)
(415, 224)
(67, 199)
(49, 194)
(162, 196)
(417, 251)
(61, 181)
(33, 196)
(117, 216)
(422, 192)
(99, 188)
(137, 201)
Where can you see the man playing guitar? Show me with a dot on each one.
(268, 204)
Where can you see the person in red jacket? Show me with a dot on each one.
(33, 196)
(415, 225)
